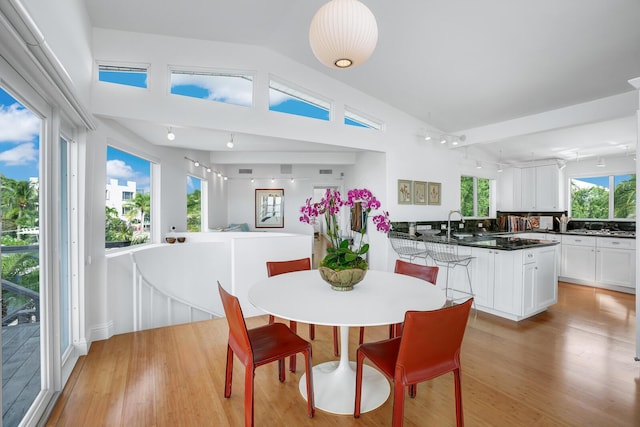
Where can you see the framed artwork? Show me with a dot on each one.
(269, 207)
(404, 192)
(433, 193)
(419, 193)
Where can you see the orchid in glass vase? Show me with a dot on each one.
(341, 256)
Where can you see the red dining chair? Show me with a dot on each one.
(429, 347)
(280, 267)
(428, 273)
(425, 272)
(259, 346)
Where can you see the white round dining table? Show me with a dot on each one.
(382, 298)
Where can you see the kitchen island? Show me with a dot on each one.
(511, 277)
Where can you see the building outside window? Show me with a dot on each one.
(128, 203)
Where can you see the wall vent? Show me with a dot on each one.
(286, 168)
(245, 171)
(326, 171)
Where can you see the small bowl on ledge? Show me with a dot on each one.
(170, 239)
(181, 239)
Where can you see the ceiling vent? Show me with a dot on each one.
(286, 168)
(245, 171)
(326, 171)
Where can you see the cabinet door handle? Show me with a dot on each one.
(578, 240)
(615, 243)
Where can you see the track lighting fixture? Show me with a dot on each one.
(230, 143)
(444, 138)
(197, 164)
(170, 135)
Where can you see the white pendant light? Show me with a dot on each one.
(343, 34)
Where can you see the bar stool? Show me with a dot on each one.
(446, 255)
(407, 247)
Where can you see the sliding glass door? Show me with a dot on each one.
(21, 260)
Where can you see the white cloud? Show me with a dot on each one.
(221, 88)
(20, 155)
(18, 124)
(117, 169)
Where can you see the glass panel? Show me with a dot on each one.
(194, 203)
(19, 250)
(288, 100)
(128, 76)
(127, 221)
(352, 118)
(65, 281)
(484, 197)
(466, 195)
(624, 196)
(228, 88)
(590, 197)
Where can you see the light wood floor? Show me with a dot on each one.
(570, 366)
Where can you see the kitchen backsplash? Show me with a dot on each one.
(516, 221)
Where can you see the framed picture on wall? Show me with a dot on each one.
(433, 193)
(404, 192)
(269, 207)
(419, 193)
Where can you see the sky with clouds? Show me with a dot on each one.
(19, 139)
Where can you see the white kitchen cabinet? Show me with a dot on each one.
(615, 262)
(578, 258)
(539, 280)
(515, 284)
(607, 262)
(540, 188)
(483, 276)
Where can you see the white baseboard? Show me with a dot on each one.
(102, 331)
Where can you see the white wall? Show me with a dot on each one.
(67, 30)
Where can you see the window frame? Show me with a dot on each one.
(122, 67)
(364, 121)
(301, 94)
(154, 191)
(492, 195)
(611, 201)
(213, 72)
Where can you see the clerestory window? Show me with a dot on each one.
(229, 88)
(284, 98)
(135, 76)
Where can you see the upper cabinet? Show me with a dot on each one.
(532, 189)
(539, 190)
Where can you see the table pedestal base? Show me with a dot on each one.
(334, 388)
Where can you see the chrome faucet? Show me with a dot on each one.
(449, 222)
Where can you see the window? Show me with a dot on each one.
(128, 210)
(21, 266)
(122, 75)
(353, 118)
(194, 204)
(475, 196)
(591, 197)
(285, 99)
(234, 89)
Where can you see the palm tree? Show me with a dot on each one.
(21, 194)
(139, 207)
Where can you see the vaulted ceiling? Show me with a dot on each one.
(456, 64)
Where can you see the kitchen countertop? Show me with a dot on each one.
(508, 241)
(494, 242)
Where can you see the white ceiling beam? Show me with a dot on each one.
(608, 108)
